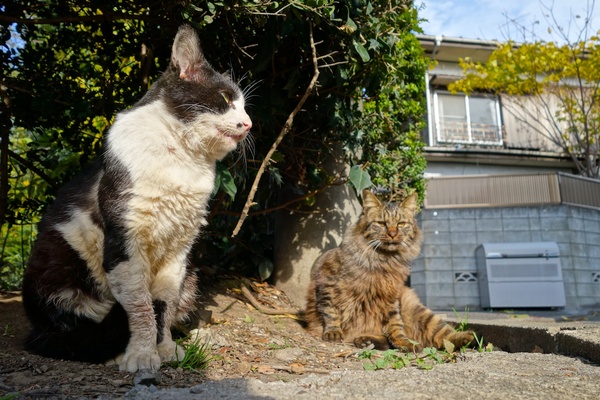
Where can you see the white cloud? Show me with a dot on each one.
(491, 19)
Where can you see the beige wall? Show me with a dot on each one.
(526, 124)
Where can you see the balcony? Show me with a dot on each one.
(512, 190)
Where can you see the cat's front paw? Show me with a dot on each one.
(461, 339)
(135, 360)
(376, 342)
(114, 361)
(168, 350)
(334, 335)
(405, 344)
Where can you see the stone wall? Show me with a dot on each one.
(445, 275)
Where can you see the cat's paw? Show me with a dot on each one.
(461, 339)
(168, 350)
(376, 342)
(334, 335)
(405, 344)
(135, 360)
(114, 361)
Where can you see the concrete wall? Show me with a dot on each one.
(302, 236)
(445, 275)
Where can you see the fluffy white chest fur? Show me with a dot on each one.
(170, 182)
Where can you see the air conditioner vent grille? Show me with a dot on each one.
(518, 270)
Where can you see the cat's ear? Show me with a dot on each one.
(370, 200)
(411, 203)
(186, 55)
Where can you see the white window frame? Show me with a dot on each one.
(470, 140)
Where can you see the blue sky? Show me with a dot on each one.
(489, 19)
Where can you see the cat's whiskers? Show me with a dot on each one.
(211, 143)
(372, 246)
(248, 91)
(361, 259)
(249, 88)
(246, 145)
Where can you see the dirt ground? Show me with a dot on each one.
(245, 343)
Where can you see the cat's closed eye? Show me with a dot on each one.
(226, 97)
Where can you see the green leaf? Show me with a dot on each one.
(373, 44)
(369, 367)
(360, 179)
(224, 180)
(265, 269)
(362, 52)
(351, 24)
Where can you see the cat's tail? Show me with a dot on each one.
(82, 339)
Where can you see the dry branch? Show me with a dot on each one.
(286, 127)
(266, 310)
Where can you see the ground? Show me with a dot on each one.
(245, 343)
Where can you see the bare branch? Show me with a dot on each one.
(286, 127)
(30, 166)
(287, 204)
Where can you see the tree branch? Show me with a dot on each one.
(27, 164)
(286, 127)
(5, 123)
(71, 19)
(282, 206)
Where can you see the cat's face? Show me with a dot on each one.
(390, 227)
(210, 104)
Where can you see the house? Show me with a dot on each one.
(493, 179)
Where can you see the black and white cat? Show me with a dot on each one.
(109, 275)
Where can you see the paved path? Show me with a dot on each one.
(555, 357)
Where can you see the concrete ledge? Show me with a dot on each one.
(583, 343)
(538, 334)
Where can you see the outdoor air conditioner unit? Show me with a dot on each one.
(518, 275)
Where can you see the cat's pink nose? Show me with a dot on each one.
(247, 125)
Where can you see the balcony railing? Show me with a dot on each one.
(474, 133)
(512, 190)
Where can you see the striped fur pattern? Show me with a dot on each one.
(357, 291)
(109, 274)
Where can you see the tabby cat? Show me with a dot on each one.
(109, 274)
(357, 291)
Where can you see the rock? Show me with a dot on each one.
(288, 354)
(205, 335)
(147, 377)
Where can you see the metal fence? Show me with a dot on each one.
(579, 191)
(512, 190)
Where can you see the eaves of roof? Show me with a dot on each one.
(514, 157)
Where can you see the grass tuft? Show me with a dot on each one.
(463, 321)
(197, 355)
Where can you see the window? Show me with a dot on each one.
(467, 119)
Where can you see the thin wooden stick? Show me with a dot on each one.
(284, 131)
(266, 310)
(299, 370)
